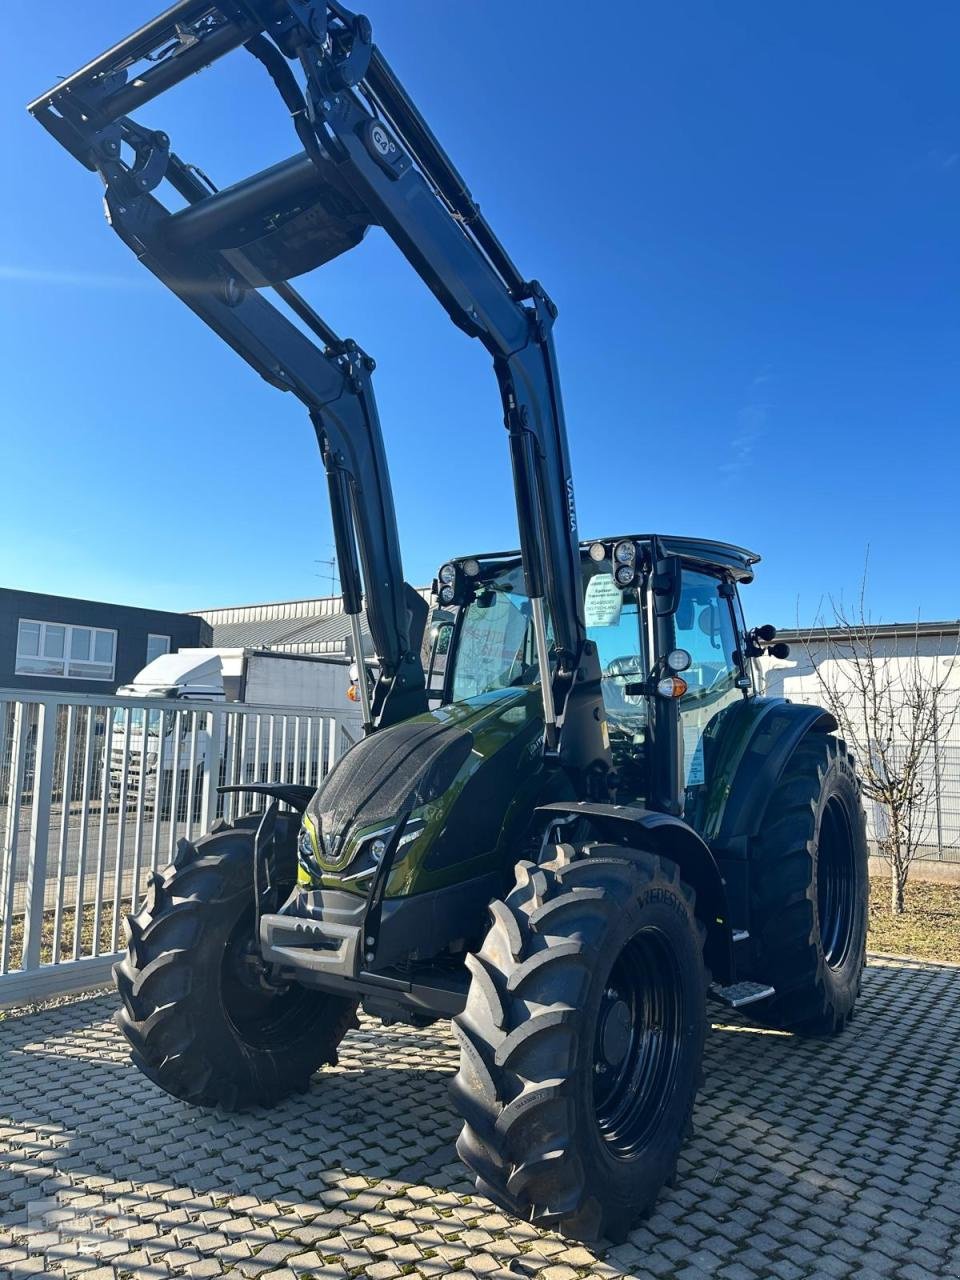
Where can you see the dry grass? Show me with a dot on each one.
(929, 928)
(67, 934)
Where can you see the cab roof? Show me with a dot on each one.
(703, 551)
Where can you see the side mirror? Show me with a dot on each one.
(666, 586)
(760, 641)
(441, 634)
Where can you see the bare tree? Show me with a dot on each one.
(894, 706)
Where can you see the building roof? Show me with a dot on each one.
(288, 626)
(879, 631)
(302, 635)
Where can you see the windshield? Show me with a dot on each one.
(136, 714)
(496, 649)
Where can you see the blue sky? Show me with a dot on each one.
(747, 214)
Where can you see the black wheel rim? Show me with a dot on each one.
(836, 883)
(637, 1043)
(264, 1015)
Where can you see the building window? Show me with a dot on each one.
(58, 650)
(157, 645)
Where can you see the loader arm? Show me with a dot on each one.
(368, 158)
(333, 381)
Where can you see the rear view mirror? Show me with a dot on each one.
(666, 586)
(442, 633)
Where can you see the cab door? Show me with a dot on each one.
(706, 628)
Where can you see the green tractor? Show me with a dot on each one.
(573, 815)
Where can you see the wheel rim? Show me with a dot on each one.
(263, 1014)
(637, 1043)
(836, 883)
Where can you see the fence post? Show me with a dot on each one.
(39, 834)
(211, 771)
(10, 847)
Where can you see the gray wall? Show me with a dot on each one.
(131, 625)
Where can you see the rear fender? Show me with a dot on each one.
(646, 830)
(751, 755)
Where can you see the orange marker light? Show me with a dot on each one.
(671, 687)
(353, 693)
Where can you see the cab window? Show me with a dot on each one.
(615, 624)
(496, 648)
(704, 626)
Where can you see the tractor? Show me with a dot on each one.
(573, 816)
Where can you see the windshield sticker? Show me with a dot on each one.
(693, 755)
(603, 601)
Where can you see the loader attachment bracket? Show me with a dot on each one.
(151, 149)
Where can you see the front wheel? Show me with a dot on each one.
(582, 1039)
(203, 1018)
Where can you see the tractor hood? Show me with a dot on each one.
(425, 765)
(389, 773)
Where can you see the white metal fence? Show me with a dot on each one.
(95, 792)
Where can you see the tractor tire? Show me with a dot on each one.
(203, 1018)
(582, 1039)
(809, 890)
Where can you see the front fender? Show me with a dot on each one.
(660, 833)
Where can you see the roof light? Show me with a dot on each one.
(446, 595)
(625, 553)
(447, 575)
(598, 552)
(624, 575)
(471, 568)
(671, 687)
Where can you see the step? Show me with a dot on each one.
(740, 993)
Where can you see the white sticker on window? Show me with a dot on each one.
(603, 601)
(693, 755)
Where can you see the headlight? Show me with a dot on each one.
(308, 847)
(376, 843)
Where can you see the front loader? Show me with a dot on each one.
(582, 815)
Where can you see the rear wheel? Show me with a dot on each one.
(809, 891)
(203, 1018)
(582, 1039)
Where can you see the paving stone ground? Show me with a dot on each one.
(819, 1158)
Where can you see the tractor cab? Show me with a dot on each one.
(664, 615)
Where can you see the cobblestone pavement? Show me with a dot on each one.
(828, 1158)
